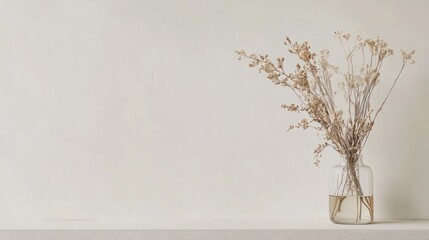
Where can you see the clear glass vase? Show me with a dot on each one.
(350, 192)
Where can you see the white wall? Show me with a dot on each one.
(132, 110)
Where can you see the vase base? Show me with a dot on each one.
(351, 222)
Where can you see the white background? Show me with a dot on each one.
(140, 110)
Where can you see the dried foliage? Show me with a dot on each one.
(312, 82)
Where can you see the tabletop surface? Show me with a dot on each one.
(212, 224)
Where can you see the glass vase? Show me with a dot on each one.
(350, 192)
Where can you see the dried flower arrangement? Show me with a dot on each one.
(312, 82)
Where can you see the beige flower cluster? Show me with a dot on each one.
(312, 82)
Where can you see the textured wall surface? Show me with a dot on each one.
(140, 110)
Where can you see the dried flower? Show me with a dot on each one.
(345, 130)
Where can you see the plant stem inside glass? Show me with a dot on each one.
(351, 200)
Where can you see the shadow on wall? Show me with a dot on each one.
(405, 191)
